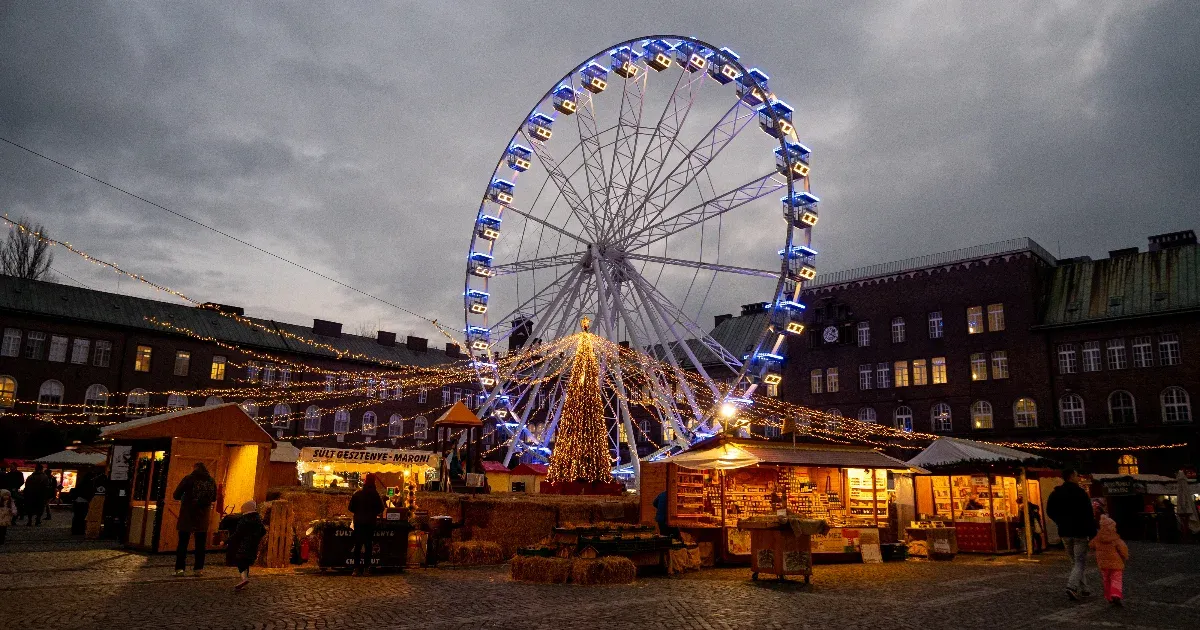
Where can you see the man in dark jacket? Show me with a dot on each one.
(1071, 509)
(366, 506)
(37, 492)
(195, 493)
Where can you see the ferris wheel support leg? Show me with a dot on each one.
(605, 285)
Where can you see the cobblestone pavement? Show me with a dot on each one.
(47, 581)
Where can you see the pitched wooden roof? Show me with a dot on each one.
(220, 422)
(458, 416)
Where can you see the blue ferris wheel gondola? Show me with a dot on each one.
(565, 100)
(519, 157)
(594, 78)
(691, 57)
(752, 87)
(539, 126)
(624, 62)
(721, 66)
(775, 118)
(792, 156)
(802, 208)
(658, 54)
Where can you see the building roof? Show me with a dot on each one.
(60, 301)
(227, 422)
(1149, 283)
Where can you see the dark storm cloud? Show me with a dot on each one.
(356, 138)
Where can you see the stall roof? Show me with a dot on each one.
(729, 454)
(226, 422)
(1153, 484)
(458, 415)
(285, 453)
(75, 457)
(494, 467)
(530, 469)
(956, 452)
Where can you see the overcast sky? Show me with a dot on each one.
(358, 138)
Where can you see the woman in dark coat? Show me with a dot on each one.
(243, 544)
(366, 506)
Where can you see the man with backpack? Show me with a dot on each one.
(196, 494)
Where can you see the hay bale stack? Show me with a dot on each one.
(475, 553)
(606, 570)
(541, 570)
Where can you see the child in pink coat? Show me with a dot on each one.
(1111, 554)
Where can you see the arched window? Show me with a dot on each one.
(312, 418)
(902, 416)
(421, 428)
(8, 391)
(177, 401)
(897, 330)
(251, 408)
(867, 414)
(1127, 465)
(981, 415)
(1024, 413)
(96, 396)
(1176, 407)
(341, 421)
(395, 426)
(834, 411)
(137, 402)
(50, 396)
(940, 418)
(1121, 408)
(213, 401)
(1070, 410)
(280, 415)
(398, 393)
(369, 422)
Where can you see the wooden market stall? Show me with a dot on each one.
(716, 483)
(65, 466)
(974, 489)
(156, 452)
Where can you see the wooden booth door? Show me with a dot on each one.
(184, 455)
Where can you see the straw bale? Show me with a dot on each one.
(541, 570)
(606, 570)
(476, 552)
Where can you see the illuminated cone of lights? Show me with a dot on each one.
(581, 444)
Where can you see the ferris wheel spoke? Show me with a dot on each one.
(629, 121)
(729, 200)
(564, 283)
(565, 187)
(593, 158)
(544, 262)
(547, 224)
(695, 264)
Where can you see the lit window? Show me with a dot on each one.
(995, 317)
(1127, 465)
(141, 361)
(96, 396)
(446, 395)
(341, 422)
(866, 376)
(831, 380)
(867, 414)
(12, 343)
(1168, 349)
(897, 330)
(1000, 364)
(772, 391)
(372, 387)
(770, 431)
(979, 366)
(217, 372)
(252, 370)
(79, 351)
(398, 393)
(939, 370)
(35, 344)
(213, 401)
(58, 349)
(183, 362)
(900, 370)
(369, 422)
(395, 426)
(8, 392)
(1070, 409)
(458, 394)
(1176, 407)
(1066, 359)
(1143, 355)
(864, 334)
(1121, 408)
(1091, 356)
(902, 417)
(251, 408)
(940, 418)
(285, 377)
(329, 382)
(50, 396)
(1116, 354)
(816, 380)
(883, 375)
(312, 419)
(935, 325)
(280, 416)
(177, 401)
(421, 428)
(1024, 413)
(137, 402)
(421, 394)
(981, 415)
(103, 353)
(920, 375)
(269, 374)
(974, 320)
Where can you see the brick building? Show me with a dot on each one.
(70, 350)
(990, 342)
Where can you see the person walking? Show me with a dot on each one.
(243, 544)
(55, 488)
(8, 512)
(195, 493)
(12, 480)
(37, 490)
(366, 506)
(1111, 554)
(1069, 507)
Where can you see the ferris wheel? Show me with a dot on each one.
(642, 191)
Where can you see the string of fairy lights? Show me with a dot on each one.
(652, 386)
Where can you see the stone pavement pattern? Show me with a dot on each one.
(49, 582)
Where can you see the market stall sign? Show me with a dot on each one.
(1123, 487)
(343, 458)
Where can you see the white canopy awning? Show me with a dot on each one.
(950, 451)
(725, 457)
(72, 458)
(313, 458)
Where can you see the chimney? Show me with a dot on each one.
(452, 350)
(328, 329)
(719, 319)
(1183, 238)
(1127, 251)
(754, 308)
(386, 338)
(417, 344)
